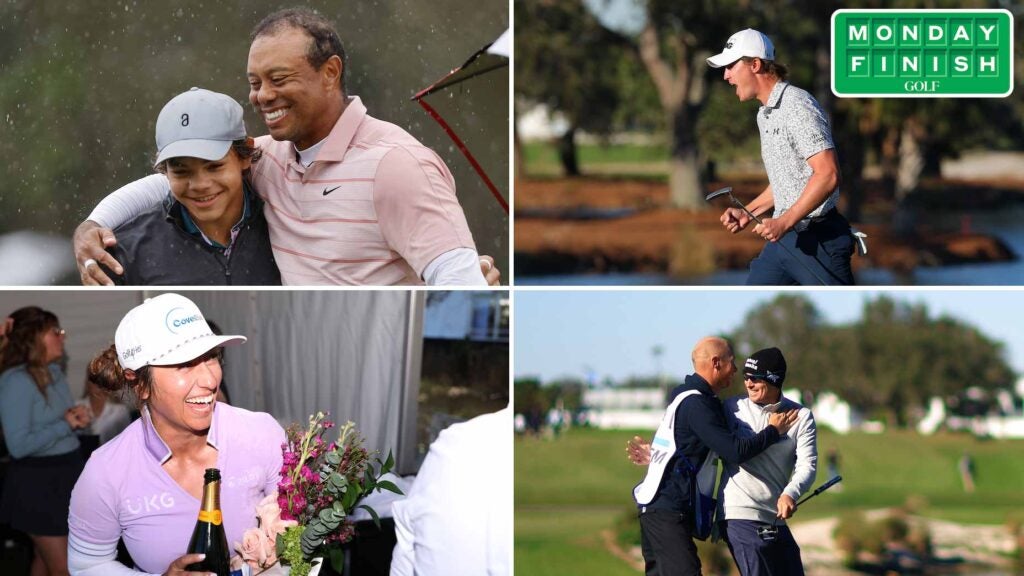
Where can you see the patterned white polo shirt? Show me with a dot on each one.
(793, 128)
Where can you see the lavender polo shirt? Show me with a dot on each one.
(125, 492)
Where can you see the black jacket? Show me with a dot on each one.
(700, 425)
(156, 249)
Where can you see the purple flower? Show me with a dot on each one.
(291, 459)
(308, 475)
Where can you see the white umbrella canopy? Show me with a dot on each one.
(491, 57)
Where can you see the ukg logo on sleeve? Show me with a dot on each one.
(922, 53)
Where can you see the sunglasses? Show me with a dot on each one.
(57, 330)
(755, 377)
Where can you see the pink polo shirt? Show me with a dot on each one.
(375, 207)
(125, 492)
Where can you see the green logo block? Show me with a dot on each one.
(922, 53)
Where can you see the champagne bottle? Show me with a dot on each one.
(208, 537)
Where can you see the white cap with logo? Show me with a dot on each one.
(747, 43)
(199, 124)
(165, 330)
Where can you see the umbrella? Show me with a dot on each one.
(494, 56)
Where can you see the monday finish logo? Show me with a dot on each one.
(922, 53)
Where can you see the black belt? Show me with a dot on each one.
(830, 214)
(806, 223)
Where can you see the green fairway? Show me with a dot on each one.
(612, 159)
(551, 541)
(568, 490)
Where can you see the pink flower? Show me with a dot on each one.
(290, 459)
(270, 515)
(268, 510)
(255, 548)
(308, 474)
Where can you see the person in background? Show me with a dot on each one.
(833, 460)
(966, 468)
(39, 421)
(108, 416)
(467, 465)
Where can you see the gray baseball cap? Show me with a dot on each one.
(199, 124)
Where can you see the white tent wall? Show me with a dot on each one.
(324, 350)
(355, 354)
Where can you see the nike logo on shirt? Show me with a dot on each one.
(326, 191)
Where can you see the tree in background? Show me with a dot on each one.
(567, 61)
(674, 44)
(889, 362)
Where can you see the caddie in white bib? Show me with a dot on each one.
(662, 448)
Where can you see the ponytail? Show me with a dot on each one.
(106, 372)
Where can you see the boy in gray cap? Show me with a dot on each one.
(803, 173)
(210, 229)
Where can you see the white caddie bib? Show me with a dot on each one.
(662, 448)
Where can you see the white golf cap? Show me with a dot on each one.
(198, 124)
(746, 43)
(165, 330)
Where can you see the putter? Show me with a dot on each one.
(769, 533)
(741, 206)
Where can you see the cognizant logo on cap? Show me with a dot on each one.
(176, 320)
(922, 53)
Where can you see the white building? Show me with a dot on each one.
(467, 315)
(617, 408)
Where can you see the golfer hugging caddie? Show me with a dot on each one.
(809, 242)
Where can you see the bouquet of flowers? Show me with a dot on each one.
(321, 485)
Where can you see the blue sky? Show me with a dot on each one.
(621, 15)
(612, 333)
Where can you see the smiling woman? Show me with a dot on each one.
(145, 485)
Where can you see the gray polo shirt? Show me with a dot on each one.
(793, 128)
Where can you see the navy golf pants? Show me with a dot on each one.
(666, 540)
(825, 248)
(755, 557)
